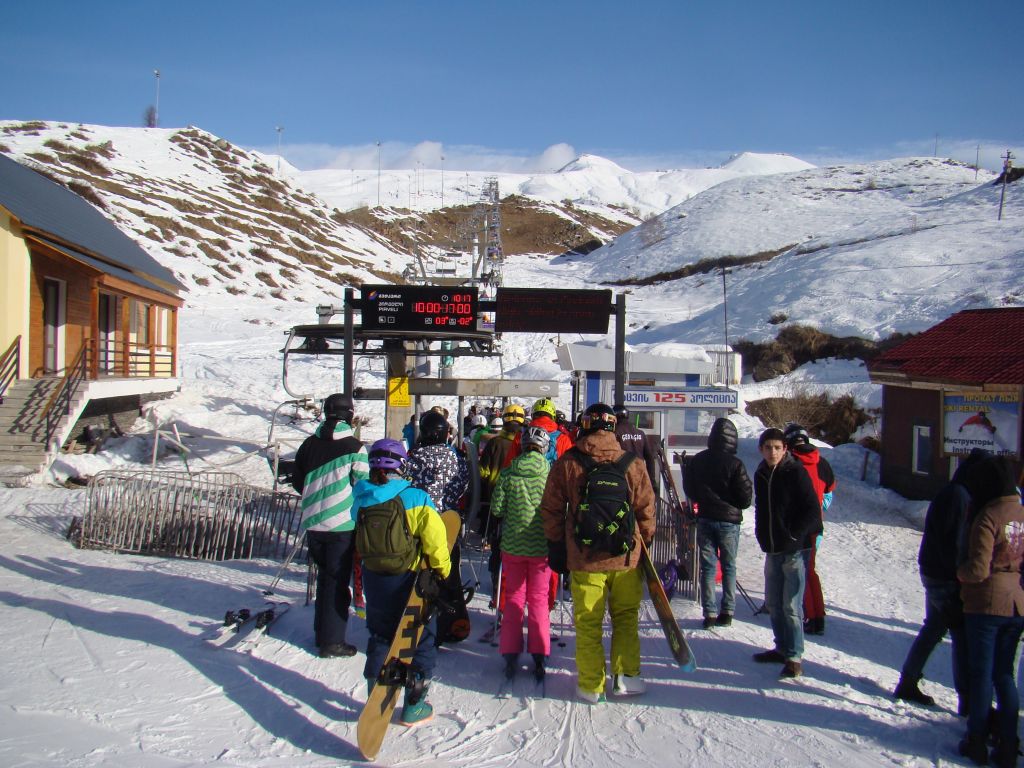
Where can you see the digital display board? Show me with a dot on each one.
(552, 310)
(418, 308)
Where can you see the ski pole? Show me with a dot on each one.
(497, 606)
(747, 598)
(561, 609)
(280, 571)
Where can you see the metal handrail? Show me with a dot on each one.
(59, 404)
(10, 365)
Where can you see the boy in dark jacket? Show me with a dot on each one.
(717, 482)
(787, 519)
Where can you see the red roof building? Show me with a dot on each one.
(957, 386)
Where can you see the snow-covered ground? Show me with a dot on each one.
(105, 664)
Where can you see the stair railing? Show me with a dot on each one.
(10, 365)
(60, 402)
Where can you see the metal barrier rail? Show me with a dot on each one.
(205, 516)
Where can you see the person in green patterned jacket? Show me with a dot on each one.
(327, 465)
(524, 550)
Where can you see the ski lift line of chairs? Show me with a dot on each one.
(204, 516)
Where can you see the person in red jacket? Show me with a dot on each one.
(824, 481)
(543, 416)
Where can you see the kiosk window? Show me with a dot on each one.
(921, 459)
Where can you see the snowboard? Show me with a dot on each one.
(673, 634)
(376, 715)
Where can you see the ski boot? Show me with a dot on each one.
(538, 666)
(511, 664)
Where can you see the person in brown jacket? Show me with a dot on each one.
(598, 577)
(993, 608)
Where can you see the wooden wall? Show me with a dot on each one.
(78, 307)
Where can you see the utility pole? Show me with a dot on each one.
(156, 108)
(936, 153)
(280, 130)
(1008, 159)
(725, 308)
(442, 181)
(378, 173)
(977, 161)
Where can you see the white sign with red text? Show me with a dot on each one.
(703, 397)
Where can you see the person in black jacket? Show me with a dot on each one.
(943, 612)
(787, 518)
(717, 482)
(634, 440)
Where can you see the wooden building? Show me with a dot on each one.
(957, 386)
(86, 315)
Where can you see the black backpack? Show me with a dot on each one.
(383, 538)
(605, 522)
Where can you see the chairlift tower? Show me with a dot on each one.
(493, 251)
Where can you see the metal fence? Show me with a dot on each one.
(205, 516)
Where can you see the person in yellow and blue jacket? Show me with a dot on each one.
(387, 594)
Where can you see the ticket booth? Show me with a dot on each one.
(670, 397)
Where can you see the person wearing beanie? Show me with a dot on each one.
(787, 518)
(716, 481)
(990, 586)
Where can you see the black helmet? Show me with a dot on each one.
(433, 428)
(796, 435)
(621, 411)
(338, 406)
(597, 417)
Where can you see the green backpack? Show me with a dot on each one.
(383, 539)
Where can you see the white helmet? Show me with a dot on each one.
(537, 437)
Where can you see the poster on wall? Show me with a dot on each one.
(989, 420)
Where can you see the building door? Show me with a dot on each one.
(53, 325)
(108, 333)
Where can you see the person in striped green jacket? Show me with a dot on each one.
(327, 465)
(524, 550)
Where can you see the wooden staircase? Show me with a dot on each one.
(23, 449)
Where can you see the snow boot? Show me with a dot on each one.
(538, 666)
(975, 748)
(769, 657)
(337, 651)
(590, 696)
(629, 685)
(908, 690)
(416, 709)
(511, 664)
(710, 621)
(724, 620)
(792, 669)
(1005, 755)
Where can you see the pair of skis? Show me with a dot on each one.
(245, 627)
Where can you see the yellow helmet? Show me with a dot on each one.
(514, 413)
(545, 406)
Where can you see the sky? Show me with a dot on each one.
(527, 86)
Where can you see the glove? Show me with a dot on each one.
(558, 557)
(428, 585)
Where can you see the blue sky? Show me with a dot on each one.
(519, 85)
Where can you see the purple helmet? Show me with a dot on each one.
(388, 454)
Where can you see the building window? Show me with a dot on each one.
(921, 459)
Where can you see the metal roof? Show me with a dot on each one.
(100, 265)
(43, 205)
(976, 346)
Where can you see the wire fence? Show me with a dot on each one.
(203, 516)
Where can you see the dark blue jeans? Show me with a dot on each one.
(992, 648)
(718, 542)
(785, 577)
(386, 597)
(332, 553)
(943, 613)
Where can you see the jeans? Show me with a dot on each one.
(943, 613)
(784, 580)
(992, 647)
(717, 541)
(386, 596)
(332, 552)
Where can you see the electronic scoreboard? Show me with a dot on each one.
(421, 308)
